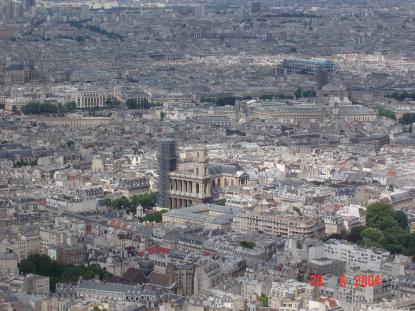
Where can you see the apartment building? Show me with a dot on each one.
(286, 226)
(207, 275)
(354, 295)
(353, 255)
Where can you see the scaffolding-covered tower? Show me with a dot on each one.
(167, 162)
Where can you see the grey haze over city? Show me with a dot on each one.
(207, 155)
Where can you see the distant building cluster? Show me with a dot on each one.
(207, 155)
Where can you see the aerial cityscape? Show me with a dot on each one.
(207, 155)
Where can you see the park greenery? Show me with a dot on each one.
(111, 102)
(220, 101)
(247, 244)
(275, 96)
(162, 115)
(134, 104)
(385, 112)
(407, 118)
(39, 108)
(401, 95)
(153, 217)
(146, 200)
(385, 228)
(68, 107)
(25, 162)
(97, 29)
(300, 93)
(226, 101)
(58, 272)
(297, 210)
(263, 300)
(291, 15)
(221, 202)
(48, 108)
(230, 100)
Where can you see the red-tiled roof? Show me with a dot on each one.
(156, 250)
(392, 173)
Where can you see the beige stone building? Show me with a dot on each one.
(37, 284)
(77, 122)
(26, 245)
(89, 99)
(207, 276)
(8, 264)
(203, 183)
(286, 226)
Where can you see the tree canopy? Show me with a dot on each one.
(388, 229)
(138, 104)
(385, 112)
(300, 93)
(402, 95)
(407, 118)
(59, 273)
(377, 213)
(247, 244)
(146, 200)
(385, 228)
(39, 108)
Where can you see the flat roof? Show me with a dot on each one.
(196, 213)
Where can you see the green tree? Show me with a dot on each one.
(355, 234)
(70, 144)
(14, 109)
(107, 202)
(120, 203)
(298, 93)
(295, 208)
(112, 102)
(407, 118)
(385, 228)
(26, 266)
(376, 212)
(247, 244)
(401, 96)
(138, 104)
(263, 300)
(44, 265)
(226, 101)
(162, 115)
(393, 239)
(387, 222)
(80, 39)
(39, 108)
(385, 112)
(402, 219)
(309, 93)
(69, 106)
(154, 217)
(146, 200)
(409, 244)
(371, 234)
(207, 100)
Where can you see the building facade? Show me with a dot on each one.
(286, 226)
(89, 99)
